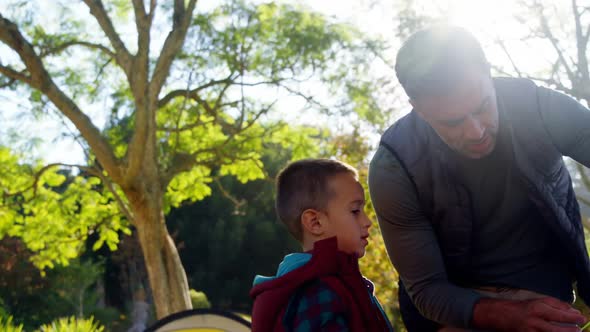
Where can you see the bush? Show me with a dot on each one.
(199, 300)
(72, 324)
(3, 311)
(7, 326)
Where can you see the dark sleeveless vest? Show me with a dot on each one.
(447, 204)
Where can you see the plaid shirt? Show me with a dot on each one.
(316, 308)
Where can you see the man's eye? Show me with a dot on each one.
(453, 123)
(484, 107)
(355, 211)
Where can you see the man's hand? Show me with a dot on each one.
(546, 314)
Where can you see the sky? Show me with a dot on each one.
(487, 19)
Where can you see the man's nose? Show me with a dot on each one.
(474, 129)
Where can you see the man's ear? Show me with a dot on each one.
(311, 222)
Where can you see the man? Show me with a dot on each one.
(472, 195)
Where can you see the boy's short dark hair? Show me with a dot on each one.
(303, 185)
(430, 61)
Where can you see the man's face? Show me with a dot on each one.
(466, 118)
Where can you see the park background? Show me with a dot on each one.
(122, 116)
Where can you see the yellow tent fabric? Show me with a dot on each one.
(202, 320)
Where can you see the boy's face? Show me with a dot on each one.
(345, 216)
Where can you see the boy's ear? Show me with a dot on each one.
(311, 222)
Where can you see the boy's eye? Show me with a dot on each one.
(355, 211)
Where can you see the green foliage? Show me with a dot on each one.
(33, 300)
(3, 311)
(73, 285)
(72, 324)
(191, 185)
(300, 141)
(199, 300)
(6, 325)
(54, 213)
(233, 234)
(215, 116)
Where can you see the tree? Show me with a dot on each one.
(179, 90)
(241, 227)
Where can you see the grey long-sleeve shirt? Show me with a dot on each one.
(511, 248)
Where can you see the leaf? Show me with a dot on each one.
(244, 170)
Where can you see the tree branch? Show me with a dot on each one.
(309, 99)
(141, 146)
(255, 118)
(555, 43)
(141, 59)
(38, 175)
(139, 9)
(62, 47)
(238, 203)
(581, 43)
(174, 41)
(586, 35)
(147, 97)
(123, 57)
(41, 80)
(191, 93)
(126, 211)
(514, 66)
(153, 4)
(185, 127)
(181, 162)
(558, 85)
(212, 112)
(15, 75)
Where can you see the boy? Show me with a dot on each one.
(322, 204)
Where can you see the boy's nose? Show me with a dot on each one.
(367, 221)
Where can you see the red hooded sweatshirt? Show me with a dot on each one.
(339, 271)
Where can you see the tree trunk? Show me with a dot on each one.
(165, 271)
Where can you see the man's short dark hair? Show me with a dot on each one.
(431, 60)
(303, 185)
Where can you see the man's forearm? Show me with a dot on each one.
(494, 314)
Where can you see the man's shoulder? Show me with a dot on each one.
(513, 80)
(405, 121)
(514, 86)
(382, 157)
